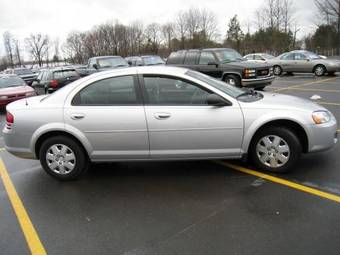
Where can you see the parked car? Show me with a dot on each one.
(225, 64)
(50, 80)
(103, 63)
(163, 113)
(147, 60)
(24, 73)
(13, 88)
(301, 61)
(259, 57)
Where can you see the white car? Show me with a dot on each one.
(259, 57)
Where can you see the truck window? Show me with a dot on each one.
(191, 57)
(206, 58)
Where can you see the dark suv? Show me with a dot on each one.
(225, 64)
(50, 80)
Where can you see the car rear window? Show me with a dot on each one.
(65, 74)
(6, 82)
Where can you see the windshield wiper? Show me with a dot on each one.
(250, 92)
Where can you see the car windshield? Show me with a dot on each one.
(112, 62)
(153, 60)
(22, 71)
(225, 56)
(7, 82)
(220, 85)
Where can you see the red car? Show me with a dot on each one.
(13, 88)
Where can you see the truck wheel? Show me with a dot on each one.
(233, 80)
(275, 149)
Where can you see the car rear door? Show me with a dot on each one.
(110, 115)
(288, 62)
(182, 125)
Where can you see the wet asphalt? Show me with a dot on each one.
(181, 207)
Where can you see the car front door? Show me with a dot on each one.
(208, 64)
(109, 113)
(182, 125)
(288, 62)
(303, 63)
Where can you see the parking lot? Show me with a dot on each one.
(203, 207)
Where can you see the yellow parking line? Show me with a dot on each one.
(2, 149)
(327, 103)
(27, 227)
(317, 90)
(284, 182)
(303, 84)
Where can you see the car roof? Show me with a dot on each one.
(8, 75)
(99, 57)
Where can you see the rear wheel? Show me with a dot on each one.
(277, 70)
(320, 70)
(233, 80)
(62, 158)
(331, 73)
(275, 149)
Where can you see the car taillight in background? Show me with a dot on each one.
(54, 84)
(9, 118)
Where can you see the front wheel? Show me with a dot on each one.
(319, 70)
(63, 158)
(277, 70)
(233, 80)
(275, 149)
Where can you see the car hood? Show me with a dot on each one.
(27, 75)
(246, 64)
(15, 90)
(282, 102)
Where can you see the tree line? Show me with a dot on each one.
(275, 23)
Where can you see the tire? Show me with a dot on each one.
(54, 162)
(290, 73)
(277, 70)
(331, 73)
(233, 80)
(320, 70)
(260, 88)
(266, 155)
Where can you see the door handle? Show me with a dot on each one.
(162, 115)
(77, 116)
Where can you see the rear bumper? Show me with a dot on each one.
(258, 82)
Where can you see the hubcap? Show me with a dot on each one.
(231, 81)
(273, 151)
(277, 70)
(60, 159)
(319, 70)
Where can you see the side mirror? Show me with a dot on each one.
(95, 66)
(216, 100)
(212, 63)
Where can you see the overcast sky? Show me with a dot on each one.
(58, 17)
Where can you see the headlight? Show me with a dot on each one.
(250, 72)
(3, 97)
(321, 117)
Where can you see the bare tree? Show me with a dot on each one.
(38, 46)
(330, 9)
(181, 28)
(192, 22)
(17, 51)
(208, 26)
(8, 43)
(168, 32)
(152, 33)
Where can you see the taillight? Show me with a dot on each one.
(9, 118)
(54, 83)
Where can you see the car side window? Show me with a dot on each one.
(288, 57)
(258, 57)
(112, 91)
(163, 90)
(39, 77)
(191, 57)
(300, 56)
(206, 58)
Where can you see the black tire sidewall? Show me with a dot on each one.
(286, 134)
(82, 161)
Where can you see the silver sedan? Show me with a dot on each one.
(163, 113)
(301, 61)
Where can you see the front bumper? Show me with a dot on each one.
(323, 137)
(258, 82)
